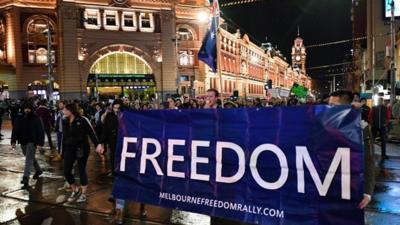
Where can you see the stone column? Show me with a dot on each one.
(17, 87)
(168, 52)
(70, 77)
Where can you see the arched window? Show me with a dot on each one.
(36, 39)
(121, 63)
(2, 40)
(185, 34)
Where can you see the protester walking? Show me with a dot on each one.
(45, 115)
(75, 145)
(110, 131)
(2, 112)
(59, 130)
(379, 118)
(29, 133)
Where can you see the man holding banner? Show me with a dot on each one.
(346, 98)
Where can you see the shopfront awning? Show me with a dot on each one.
(122, 80)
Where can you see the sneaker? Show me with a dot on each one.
(47, 153)
(25, 182)
(119, 216)
(74, 195)
(82, 198)
(37, 174)
(57, 158)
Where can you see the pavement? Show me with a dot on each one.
(44, 203)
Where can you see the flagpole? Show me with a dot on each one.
(218, 38)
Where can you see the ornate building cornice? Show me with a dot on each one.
(47, 4)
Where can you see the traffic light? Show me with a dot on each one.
(269, 84)
(236, 94)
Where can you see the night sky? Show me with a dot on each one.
(320, 21)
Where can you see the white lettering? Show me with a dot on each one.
(342, 156)
(125, 154)
(172, 158)
(239, 152)
(150, 157)
(197, 160)
(282, 161)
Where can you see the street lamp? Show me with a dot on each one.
(176, 40)
(48, 33)
(158, 58)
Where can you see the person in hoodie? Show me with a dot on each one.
(29, 133)
(44, 114)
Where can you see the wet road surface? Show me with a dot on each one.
(44, 203)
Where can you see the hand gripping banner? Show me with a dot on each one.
(270, 166)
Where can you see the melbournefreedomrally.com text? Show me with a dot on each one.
(223, 205)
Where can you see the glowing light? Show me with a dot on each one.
(375, 99)
(254, 59)
(203, 17)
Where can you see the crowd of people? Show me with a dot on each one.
(76, 122)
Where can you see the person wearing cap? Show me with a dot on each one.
(230, 104)
(28, 131)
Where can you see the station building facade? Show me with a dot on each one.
(127, 45)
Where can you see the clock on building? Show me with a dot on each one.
(299, 54)
(120, 2)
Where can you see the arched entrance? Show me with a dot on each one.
(120, 73)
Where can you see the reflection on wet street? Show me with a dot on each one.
(45, 201)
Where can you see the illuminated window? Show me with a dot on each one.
(185, 34)
(111, 20)
(41, 55)
(186, 58)
(37, 40)
(2, 40)
(121, 63)
(92, 19)
(146, 21)
(129, 21)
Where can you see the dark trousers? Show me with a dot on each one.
(1, 122)
(382, 134)
(30, 160)
(112, 146)
(59, 142)
(48, 134)
(70, 157)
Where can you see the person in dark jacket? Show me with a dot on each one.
(45, 115)
(13, 110)
(28, 132)
(379, 118)
(109, 136)
(365, 109)
(346, 98)
(75, 145)
(110, 131)
(59, 128)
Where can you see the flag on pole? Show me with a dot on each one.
(208, 50)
